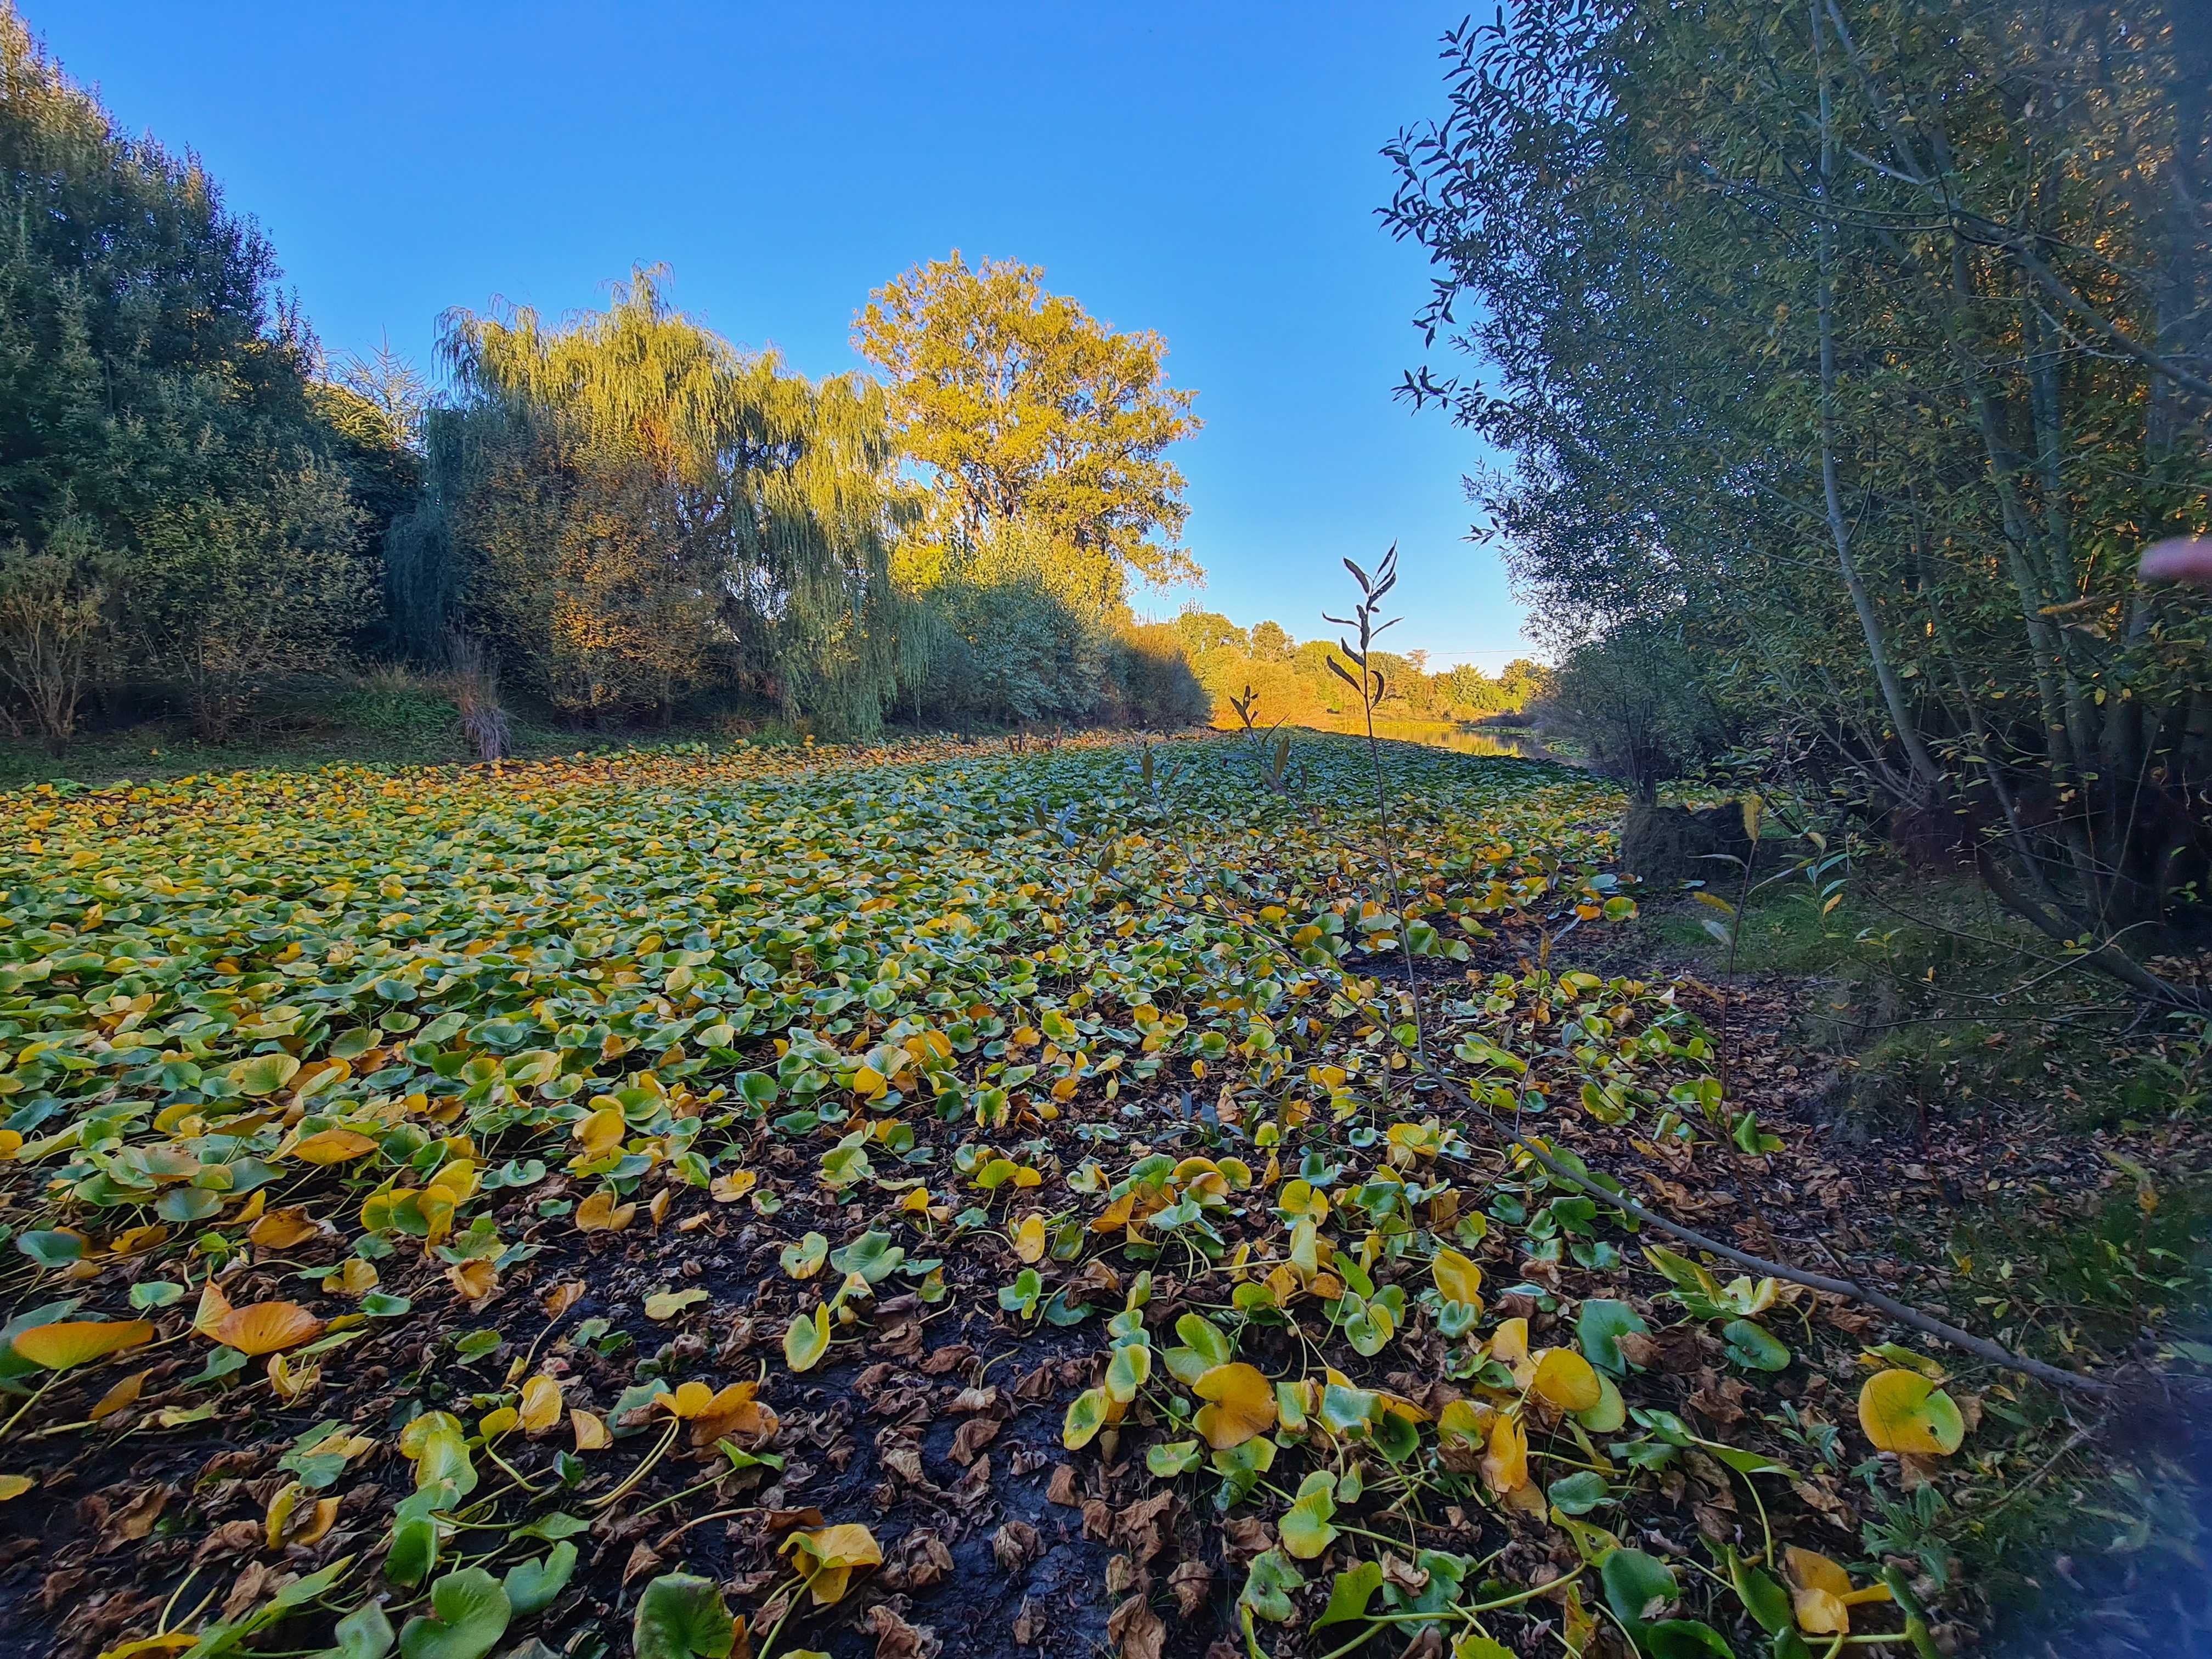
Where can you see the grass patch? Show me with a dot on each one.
(1939, 1001)
(390, 718)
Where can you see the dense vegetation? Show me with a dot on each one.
(177, 491)
(599, 1195)
(1847, 357)
(1257, 1192)
(617, 516)
(426, 1118)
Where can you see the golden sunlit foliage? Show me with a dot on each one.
(1032, 412)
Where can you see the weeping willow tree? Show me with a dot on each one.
(631, 509)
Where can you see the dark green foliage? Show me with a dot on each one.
(1011, 630)
(1665, 846)
(1631, 701)
(1863, 348)
(154, 392)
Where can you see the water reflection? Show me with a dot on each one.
(1459, 738)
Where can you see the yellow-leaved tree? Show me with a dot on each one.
(1031, 412)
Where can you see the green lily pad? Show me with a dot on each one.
(469, 1613)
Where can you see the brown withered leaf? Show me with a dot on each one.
(231, 1538)
(1852, 1321)
(949, 1358)
(897, 1639)
(1015, 1545)
(1141, 1525)
(135, 1519)
(1819, 1493)
(899, 1338)
(1135, 1630)
(974, 1435)
(58, 1587)
(1638, 1348)
(1098, 1279)
(245, 1589)
(785, 1520)
(915, 1562)
(902, 1458)
(1719, 1399)
(1038, 1384)
(1404, 1574)
(1192, 1582)
(973, 1490)
(1706, 1470)
(1247, 1535)
(872, 1379)
(562, 1297)
(643, 1560)
(1060, 1489)
(1678, 1350)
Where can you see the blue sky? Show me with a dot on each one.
(1208, 170)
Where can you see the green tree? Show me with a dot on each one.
(1630, 700)
(1027, 408)
(230, 592)
(1011, 637)
(1207, 632)
(1865, 343)
(633, 509)
(56, 616)
(155, 395)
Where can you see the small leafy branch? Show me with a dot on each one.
(1369, 685)
(1270, 750)
(1818, 870)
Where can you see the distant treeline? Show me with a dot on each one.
(621, 515)
(1290, 681)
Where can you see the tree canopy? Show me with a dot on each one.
(1027, 408)
(173, 490)
(634, 508)
(1856, 349)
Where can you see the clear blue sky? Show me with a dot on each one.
(1208, 170)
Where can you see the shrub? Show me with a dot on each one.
(54, 621)
(1629, 699)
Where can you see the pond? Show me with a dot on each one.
(1458, 736)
